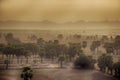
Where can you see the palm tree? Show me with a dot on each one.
(60, 36)
(19, 51)
(41, 54)
(116, 67)
(105, 61)
(7, 62)
(1, 50)
(61, 59)
(109, 47)
(7, 51)
(84, 44)
(26, 54)
(117, 44)
(74, 50)
(27, 73)
(95, 45)
(41, 42)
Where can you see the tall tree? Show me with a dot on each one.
(61, 59)
(26, 53)
(105, 61)
(74, 49)
(41, 53)
(19, 51)
(1, 50)
(11, 39)
(109, 47)
(117, 44)
(95, 45)
(104, 39)
(60, 36)
(7, 51)
(84, 44)
(32, 47)
(41, 42)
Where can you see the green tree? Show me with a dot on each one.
(60, 36)
(1, 50)
(61, 59)
(33, 37)
(104, 39)
(84, 62)
(7, 62)
(26, 54)
(105, 61)
(109, 47)
(95, 45)
(41, 42)
(7, 51)
(74, 49)
(41, 54)
(32, 48)
(19, 51)
(116, 67)
(117, 44)
(84, 44)
(11, 39)
(50, 50)
(27, 73)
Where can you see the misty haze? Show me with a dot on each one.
(59, 40)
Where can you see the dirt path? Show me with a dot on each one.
(57, 74)
(48, 71)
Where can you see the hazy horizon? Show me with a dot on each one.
(60, 10)
(92, 16)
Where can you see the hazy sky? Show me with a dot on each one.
(59, 10)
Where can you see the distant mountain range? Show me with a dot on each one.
(51, 22)
(49, 25)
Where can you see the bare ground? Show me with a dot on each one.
(57, 74)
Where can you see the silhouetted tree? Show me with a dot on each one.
(117, 44)
(104, 61)
(109, 47)
(27, 73)
(116, 67)
(84, 62)
(61, 59)
(11, 40)
(41, 53)
(60, 36)
(84, 44)
(95, 45)
(74, 49)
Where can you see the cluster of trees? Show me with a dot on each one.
(113, 47)
(12, 51)
(105, 61)
(10, 39)
(110, 46)
(51, 49)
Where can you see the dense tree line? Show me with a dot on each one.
(106, 64)
(70, 52)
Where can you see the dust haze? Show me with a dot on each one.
(59, 39)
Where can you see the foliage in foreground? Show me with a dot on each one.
(84, 62)
(116, 67)
(105, 61)
(27, 73)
